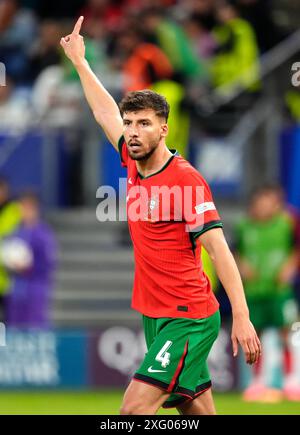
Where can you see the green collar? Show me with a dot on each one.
(175, 153)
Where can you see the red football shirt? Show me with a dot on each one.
(169, 279)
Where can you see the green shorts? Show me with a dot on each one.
(278, 311)
(176, 360)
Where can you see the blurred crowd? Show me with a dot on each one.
(184, 49)
(28, 258)
(266, 245)
(267, 250)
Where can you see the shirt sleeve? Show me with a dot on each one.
(200, 213)
(123, 151)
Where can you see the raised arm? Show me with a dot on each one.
(104, 107)
(243, 331)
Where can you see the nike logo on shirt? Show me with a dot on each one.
(151, 370)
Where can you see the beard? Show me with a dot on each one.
(143, 156)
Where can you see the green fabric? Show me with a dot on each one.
(265, 246)
(208, 227)
(209, 269)
(238, 63)
(10, 218)
(176, 45)
(200, 335)
(278, 311)
(179, 119)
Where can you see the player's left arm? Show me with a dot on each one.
(288, 270)
(243, 331)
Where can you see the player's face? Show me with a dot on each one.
(29, 210)
(143, 131)
(265, 206)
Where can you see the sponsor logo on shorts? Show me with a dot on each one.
(151, 370)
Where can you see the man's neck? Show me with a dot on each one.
(156, 162)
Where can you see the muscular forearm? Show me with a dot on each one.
(243, 331)
(288, 270)
(100, 101)
(227, 271)
(103, 106)
(230, 278)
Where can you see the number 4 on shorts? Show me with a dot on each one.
(163, 356)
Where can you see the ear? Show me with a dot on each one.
(164, 130)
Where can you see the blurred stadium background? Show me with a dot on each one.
(229, 71)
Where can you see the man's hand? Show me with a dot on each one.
(243, 333)
(102, 104)
(73, 44)
(246, 269)
(288, 271)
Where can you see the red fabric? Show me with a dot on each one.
(179, 368)
(109, 16)
(287, 361)
(257, 367)
(169, 278)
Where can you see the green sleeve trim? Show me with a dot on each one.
(163, 168)
(207, 227)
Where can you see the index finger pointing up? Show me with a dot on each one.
(77, 26)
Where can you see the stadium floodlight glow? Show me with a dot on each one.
(2, 335)
(296, 75)
(2, 74)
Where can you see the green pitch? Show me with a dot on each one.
(108, 402)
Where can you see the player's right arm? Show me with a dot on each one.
(104, 107)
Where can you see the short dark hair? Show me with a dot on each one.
(146, 99)
(267, 188)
